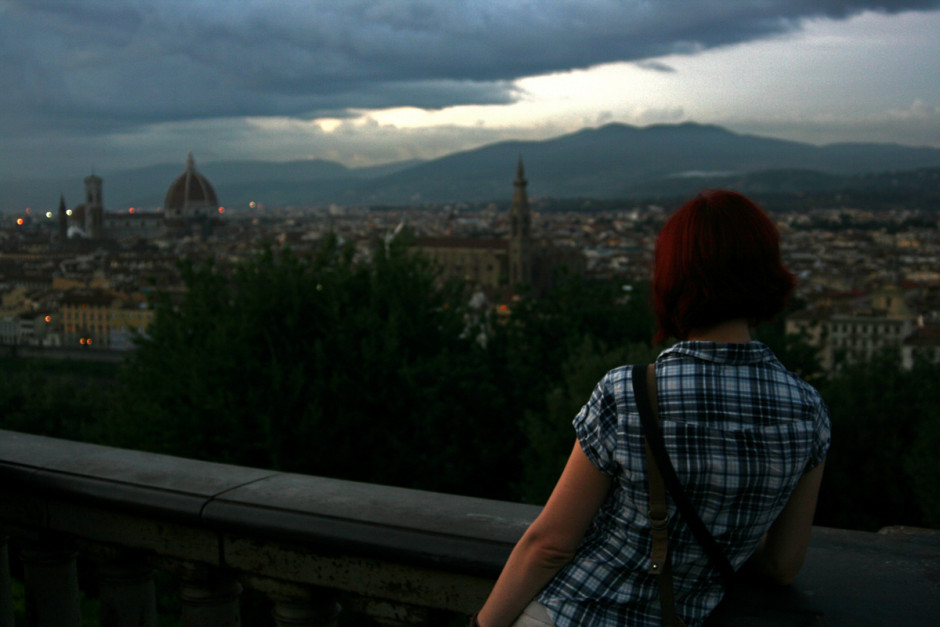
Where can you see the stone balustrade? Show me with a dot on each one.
(313, 546)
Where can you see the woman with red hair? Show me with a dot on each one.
(746, 437)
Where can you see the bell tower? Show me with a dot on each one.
(94, 207)
(520, 255)
(63, 220)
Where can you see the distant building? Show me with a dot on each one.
(29, 329)
(191, 208)
(87, 219)
(10, 332)
(138, 225)
(28, 317)
(102, 319)
(923, 343)
(84, 315)
(853, 327)
(481, 262)
(501, 267)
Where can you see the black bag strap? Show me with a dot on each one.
(655, 440)
(658, 516)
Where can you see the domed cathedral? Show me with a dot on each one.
(191, 208)
(191, 205)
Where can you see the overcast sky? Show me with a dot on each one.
(122, 83)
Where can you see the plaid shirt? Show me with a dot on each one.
(740, 430)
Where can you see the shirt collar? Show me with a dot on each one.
(733, 354)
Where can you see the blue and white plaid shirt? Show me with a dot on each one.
(740, 430)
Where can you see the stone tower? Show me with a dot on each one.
(63, 220)
(520, 253)
(94, 207)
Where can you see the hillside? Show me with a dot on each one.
(613, 161)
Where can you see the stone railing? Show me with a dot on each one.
(311, 545)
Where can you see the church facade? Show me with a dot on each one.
(502, 267)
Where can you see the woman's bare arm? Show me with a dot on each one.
(550, 541)
(783, 548)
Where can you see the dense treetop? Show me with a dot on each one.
(376, 372)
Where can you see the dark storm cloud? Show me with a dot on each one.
(86, 66)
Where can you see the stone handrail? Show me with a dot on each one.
(310, 543)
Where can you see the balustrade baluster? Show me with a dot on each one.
(127, 594)
(6, 592)
(393, 614)
(304, 613)
(51, 580)
(210, 599)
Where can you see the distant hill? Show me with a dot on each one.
(613, 161)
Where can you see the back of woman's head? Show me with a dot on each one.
(717, 259)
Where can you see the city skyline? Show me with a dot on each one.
(124, 84)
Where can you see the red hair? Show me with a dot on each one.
(717, 259)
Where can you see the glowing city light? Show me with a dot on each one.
(131, 210)
(221, 209)
(19, 221)
(49, 214)
(68, 212)
(252, 204)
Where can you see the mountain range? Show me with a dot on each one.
(612, 161)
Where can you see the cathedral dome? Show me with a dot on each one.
(190, 194)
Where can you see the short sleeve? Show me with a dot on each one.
(822, 432)
(596, 427)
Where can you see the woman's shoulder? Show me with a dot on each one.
(807, 389)
(615, 383)
(620, 373)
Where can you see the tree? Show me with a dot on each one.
(62, 399)
(543, 332)
(324, 366)
(793, 350)
(548, 431)
(555, 348)
(878, 413)
(920, 462)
